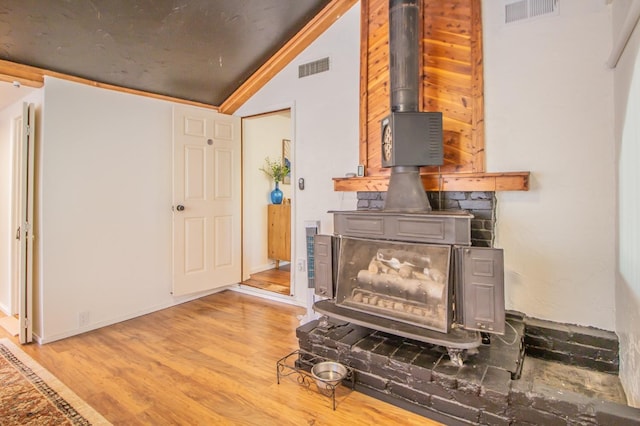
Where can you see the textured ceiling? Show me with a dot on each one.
(198, 50)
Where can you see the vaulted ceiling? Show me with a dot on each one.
(196, 50)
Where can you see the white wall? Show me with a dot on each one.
(627, 137)
(105, 207)
(261, 137)
(105, 179)
(325, 114)
(549, 110)
(7, 229)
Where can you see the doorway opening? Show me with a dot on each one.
(17, 145)
(276, 280)
(267, 233)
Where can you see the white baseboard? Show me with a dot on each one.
(116, 320)
(269, 295)
(5, 309)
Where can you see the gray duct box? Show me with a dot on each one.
(412, 139)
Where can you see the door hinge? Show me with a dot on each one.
(28, 129)
(26, 323)
(18, 233)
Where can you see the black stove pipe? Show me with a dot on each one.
(405, 192)
(404, 71)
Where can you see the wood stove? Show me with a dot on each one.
(415, 275)
(408, 270)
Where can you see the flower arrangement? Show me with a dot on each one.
(275, 169)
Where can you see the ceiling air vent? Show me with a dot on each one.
(315, 67)
(524, 10)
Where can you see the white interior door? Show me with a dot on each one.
(206, 200)
(25, 232)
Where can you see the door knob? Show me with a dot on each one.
(180, 207)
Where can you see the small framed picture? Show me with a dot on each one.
(286, 159)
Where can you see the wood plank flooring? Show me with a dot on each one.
(277, 280)
(211, 361)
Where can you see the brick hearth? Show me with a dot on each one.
(499, 385)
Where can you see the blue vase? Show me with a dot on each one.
(276, 195)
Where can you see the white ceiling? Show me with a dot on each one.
(10, 94)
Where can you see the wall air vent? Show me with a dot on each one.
(315, 67)
(526, 10)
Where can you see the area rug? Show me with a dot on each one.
(31, 395)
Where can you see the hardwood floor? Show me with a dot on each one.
(277, 280)
(211, 361)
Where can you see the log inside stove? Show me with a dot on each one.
(396, 280)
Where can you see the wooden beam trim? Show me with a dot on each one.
(323, 20)
(509, 181)
(128, 90)
(25, 75)
(35, 77)
(23, 81)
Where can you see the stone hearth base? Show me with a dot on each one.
(487, 389)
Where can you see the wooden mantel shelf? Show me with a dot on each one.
(508, 181)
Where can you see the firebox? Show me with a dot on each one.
(396, 280)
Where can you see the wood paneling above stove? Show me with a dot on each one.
(451, 66)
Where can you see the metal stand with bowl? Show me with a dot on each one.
(310, 368)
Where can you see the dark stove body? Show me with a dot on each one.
(407, 270)
(411, 274)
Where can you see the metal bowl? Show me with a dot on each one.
(328, 374)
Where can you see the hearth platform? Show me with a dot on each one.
(417, 375)
(491, 388)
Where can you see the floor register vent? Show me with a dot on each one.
(524, 10)
(315, 67)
